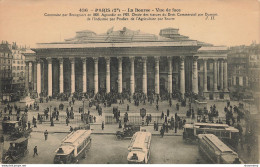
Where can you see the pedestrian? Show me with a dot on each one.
(168, 112)
(127, 107)
(120, 124)
(166, 128)
(35, 151)
(162, 132)
(46, 134)
(154, 125)
(29, 124)
(71, 129)
(102, 125)
(176, 126)
(67, 121)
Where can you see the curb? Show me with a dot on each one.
(107, 133)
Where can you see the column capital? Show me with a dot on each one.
(49, 59)
(195, 58)
(83, 59)
(119, 58)
(214, 59)
(156, 58)
(95, 59)
(144, 58)
(205, 59)
(107, 59)
(60, 59)
(225, 60)
(72, 60)
(182, 58)
(132, 59)
(38, 60)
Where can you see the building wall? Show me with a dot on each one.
(5, 67)
(18, 67)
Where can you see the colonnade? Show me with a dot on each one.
(37, 74)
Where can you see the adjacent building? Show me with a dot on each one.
(5, 69)
(244, 66)
(18, 67)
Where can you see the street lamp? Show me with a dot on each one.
(83, 112)
(50, 113)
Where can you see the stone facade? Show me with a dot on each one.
(129, 60)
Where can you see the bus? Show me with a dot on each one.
(228, 134)
(216, 151)
(139, 148)
(73, 147)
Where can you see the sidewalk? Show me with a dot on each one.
(96, 129)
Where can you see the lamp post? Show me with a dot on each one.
(50, 113)
(83, 112)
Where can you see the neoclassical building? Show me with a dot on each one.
(128, 60)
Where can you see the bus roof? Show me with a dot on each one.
(20, 140)
(140, 138)
(64, 150)
(214, 140)
(77, 137)
(211, 124)
(10, 122)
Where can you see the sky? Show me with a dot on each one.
(23, 21)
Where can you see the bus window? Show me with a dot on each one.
(225, 134)
(218, 133)
(199, 131)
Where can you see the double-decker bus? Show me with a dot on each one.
(139, 148)
(228, 134)
(216, 151)
(73, 147)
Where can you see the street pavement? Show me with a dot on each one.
(107, 149)
(114, 151)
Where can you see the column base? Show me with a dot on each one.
(226, 95)
(216, 95)
(206, 95)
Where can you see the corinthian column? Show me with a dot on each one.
(61, 75)
(144, 75)
(157, 77)
(215, 77)
(39, 77)
(132, 75)
(195, 75)
(169, 75)
(225, 83)
(72, 63)
(221, 75)
(30, 72)
(84, 74)
(182, 76)
(95, 74)
(205, 80)
(107, 74)
(120, 80)
(49, 59)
